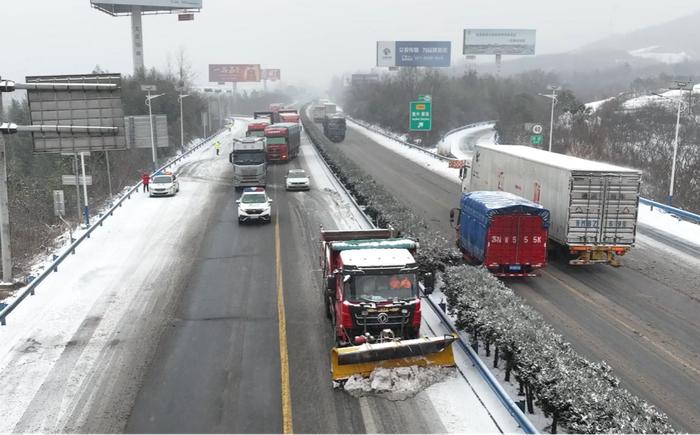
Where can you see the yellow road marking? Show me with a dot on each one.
(624, 324)
(284, 357)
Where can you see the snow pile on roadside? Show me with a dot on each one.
(399, 383)
(657, 218)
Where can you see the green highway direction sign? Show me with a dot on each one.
(420, 116)
(536, 139)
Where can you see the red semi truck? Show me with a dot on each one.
(504, 232)
(283, 141)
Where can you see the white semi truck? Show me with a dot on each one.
(593, 205)
(249, 161)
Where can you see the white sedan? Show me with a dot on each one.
(164, 185)
(297, 179)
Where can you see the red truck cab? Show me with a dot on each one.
(371, 285)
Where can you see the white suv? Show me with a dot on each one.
(164, 184)
(254, 205)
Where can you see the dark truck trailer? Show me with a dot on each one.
(283, 141)
(504, 232)
(334, 127)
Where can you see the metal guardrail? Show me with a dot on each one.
(672, 210)
(502, 395)
(464, 127)
(393, 137)
(31, 288)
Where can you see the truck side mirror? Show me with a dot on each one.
(455, 214)
(230, 157)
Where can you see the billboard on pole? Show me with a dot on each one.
(118, 7)
(234, 73)
(270, 74)
(499, 41)
(414, 53)
(52, 105)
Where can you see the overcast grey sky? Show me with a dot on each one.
(310, 40)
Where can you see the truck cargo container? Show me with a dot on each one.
(593, 205)
(283, 141)
(257, 128)
(318, 112)
(334, 127)
(329, 109)
(502, 231)
(288, 115)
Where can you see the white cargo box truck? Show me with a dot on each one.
(593, 205)
(329, 109)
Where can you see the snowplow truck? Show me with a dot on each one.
(372, 299)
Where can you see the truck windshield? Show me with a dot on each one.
(255, 158)
(381, 288)
(255, 133)
(276, 140)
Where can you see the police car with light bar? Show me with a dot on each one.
(164, 184)
(254, 205)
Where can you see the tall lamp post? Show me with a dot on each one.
(150, 118)
(182, 127)
(680, 86)
(553, 97)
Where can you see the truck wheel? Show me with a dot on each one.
(329, 307)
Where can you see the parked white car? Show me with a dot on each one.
(165, 184)
(297, 179)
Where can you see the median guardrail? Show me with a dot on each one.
(53, 267)
(493, 383)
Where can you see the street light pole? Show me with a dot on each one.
(554, 90)
(182, 126)
(675, 152)
(150, 118)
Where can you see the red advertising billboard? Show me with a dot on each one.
(230, 73)
(271, 74)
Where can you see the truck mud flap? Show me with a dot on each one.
(363, 359)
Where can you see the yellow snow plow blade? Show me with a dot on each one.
(363, 359)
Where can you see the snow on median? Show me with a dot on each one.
(399, 383)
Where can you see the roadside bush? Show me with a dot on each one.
(583, 396)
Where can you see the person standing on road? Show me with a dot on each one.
(145, 179)
(217, 147)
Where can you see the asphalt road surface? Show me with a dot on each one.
(641, 318)
(220, 367)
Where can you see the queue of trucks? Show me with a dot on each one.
(267, 140)
(593, 206)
